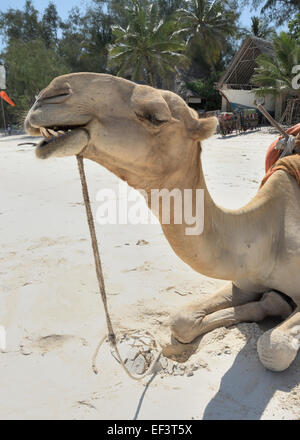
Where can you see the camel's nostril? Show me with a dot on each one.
(54, 97)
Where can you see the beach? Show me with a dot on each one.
(53, 316)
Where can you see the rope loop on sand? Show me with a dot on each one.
(111, 334)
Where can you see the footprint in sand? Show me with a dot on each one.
(145, 267)
(46, 344)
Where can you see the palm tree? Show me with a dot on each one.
(274, 74)
(149, 47)
(209, 22)
(281, 10)
(259, 28)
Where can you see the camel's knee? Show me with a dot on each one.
(184, 325)
(277, 349)
(273, 304)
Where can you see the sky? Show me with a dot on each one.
(64, 6)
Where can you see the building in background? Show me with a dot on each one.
(236, 85)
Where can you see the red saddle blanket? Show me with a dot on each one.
(290, 164)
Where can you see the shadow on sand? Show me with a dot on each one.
(247, 387)
(143, 396)
(235, 134)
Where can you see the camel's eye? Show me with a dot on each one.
(153, 119)
(150, 117)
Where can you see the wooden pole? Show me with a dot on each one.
(224, 96)
(3, 115)
(272, 121)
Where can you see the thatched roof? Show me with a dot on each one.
(241, 68)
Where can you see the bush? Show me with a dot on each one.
(207, 91)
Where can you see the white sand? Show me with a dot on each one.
(53, 315)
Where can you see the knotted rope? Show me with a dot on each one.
(111, 334)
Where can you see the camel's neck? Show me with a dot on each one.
(224, 247)
(196, 247)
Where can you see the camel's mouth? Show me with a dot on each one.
(55, 133)
(64, 140)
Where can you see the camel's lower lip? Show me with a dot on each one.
(68, 144)
(55, 133)
(53, 139)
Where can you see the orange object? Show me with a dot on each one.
(273, 155)
(7, 98)
(290, 164)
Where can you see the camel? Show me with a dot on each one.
(150, 138)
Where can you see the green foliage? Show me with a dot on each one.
(169, 7)
(85, 40)
(30, 67)
(208, 23)
(274, 73)
(152, 41)
(281, 10)
(278, 11)
(34, 54)
(206, 90)
(149, 47)
(260, 28)
(50, 25)
(20, 25)
(294, 28)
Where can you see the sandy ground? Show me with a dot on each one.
(53, 315)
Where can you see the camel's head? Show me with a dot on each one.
(131, 129)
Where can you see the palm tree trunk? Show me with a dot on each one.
(210, 61)
(149, 73)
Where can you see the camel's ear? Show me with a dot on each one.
(203, 128)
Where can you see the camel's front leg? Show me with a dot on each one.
(278, 347)
(186, 323)
(185, 328)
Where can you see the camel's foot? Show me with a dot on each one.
(193, 321)
(186, 324)
(277, 348)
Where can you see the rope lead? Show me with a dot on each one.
(111, 334)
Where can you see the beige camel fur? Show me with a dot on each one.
(151, 139)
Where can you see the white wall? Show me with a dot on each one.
(247, 97)
(2, 77)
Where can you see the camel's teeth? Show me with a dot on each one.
(61, 132)
(44, 132)
(54, 133)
